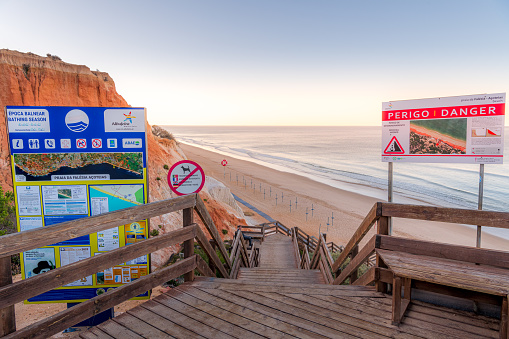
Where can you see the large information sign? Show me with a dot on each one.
(74, 162)
(462, 129)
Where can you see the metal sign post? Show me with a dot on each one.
(479, 205)
(389, 193)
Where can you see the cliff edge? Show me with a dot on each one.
(31, 80)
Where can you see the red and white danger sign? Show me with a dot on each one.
(186, 177)
(224, 162)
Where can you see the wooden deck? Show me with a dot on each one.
(222, 308)
(279, 300)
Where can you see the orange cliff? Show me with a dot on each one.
(31, 80)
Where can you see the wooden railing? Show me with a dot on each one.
(11, 293)
(379, 215)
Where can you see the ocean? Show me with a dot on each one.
(349, 158)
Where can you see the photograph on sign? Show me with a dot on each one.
(463, 129)
(70, 163)
(186, 177)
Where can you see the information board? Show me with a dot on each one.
(74, 162)
(461, 129)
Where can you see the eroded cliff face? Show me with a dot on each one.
(31, 80)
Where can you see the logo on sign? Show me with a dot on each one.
(175, 180)
(124, 120)
(17, 143)
(81, 143)
(394, 147)
(112, 143)
(97, 143)
(65, 143)
(129, 118)
(76, 120)
(33, 143)
(49, 143)
(131, 143)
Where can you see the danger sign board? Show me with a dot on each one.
(224, 162)
(186, 177)
(462, 129)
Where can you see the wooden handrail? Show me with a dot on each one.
(41, 283)
(373, 215)
(23, 241)
(71, 316)
(443, 214)
(209, 224)
(356, 262)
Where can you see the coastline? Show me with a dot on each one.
(348, 208)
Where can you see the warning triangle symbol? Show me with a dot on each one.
(394, 147)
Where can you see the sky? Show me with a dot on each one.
(270, 62)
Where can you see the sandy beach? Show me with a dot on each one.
(260, 185)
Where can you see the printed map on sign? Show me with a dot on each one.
(108, 198)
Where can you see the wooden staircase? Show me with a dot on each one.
(277, 264)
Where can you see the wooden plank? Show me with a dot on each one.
(204, 243)
(326, 252)
(236, 264)
(324, 272)
(196, 315)
(116, 330)
(322, 313)
(167, 321)
(89, 308)
(445, 251)
(485, 279)
(182, 319)
(203, 268)
(23, 241)
(295, 318)
(367, 278)
(329, 278)
(187, 221)
(211, 227)
(353, 265)
(234, 247)
(311, 289)
(452, 215)
(353, 254)
(282, 327)
(229, 313)
(140, 326)
(28, 288)
(7, 314)
(316, 255)
(359, 234)
(94, 332)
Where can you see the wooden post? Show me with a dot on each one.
(382, 229)
(504, 331)
(211, 263)
(396, 300)
(7, 317)
(187, 220)
(354, 275)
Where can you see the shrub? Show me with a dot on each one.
(166, 167)
(154, 233)
(225, 232)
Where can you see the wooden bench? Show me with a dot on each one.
(448, 265)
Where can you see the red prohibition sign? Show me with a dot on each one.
(186, 177)
(224, 162)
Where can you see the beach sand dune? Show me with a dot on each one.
(347, 208)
